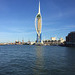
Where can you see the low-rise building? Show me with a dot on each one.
(53, 41)
(53, 38)
(61, 40)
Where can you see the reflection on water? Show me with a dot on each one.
(39, 62)
(70, 60)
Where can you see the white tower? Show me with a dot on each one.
(38, 25)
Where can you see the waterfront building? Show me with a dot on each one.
(32, 43)
(17, 42)
(38, 25)
(70, 39)
(61, 40)
(53, 41)
(53, 38)
(29, 42)
(22, 41)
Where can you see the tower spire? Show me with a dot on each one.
(39, 6)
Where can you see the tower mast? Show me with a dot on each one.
(39, 6)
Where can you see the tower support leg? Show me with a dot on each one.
(38, 38)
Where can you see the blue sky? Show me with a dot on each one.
(17, 19)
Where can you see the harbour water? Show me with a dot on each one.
(37, 60)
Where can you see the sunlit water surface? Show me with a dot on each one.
(37, 60)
